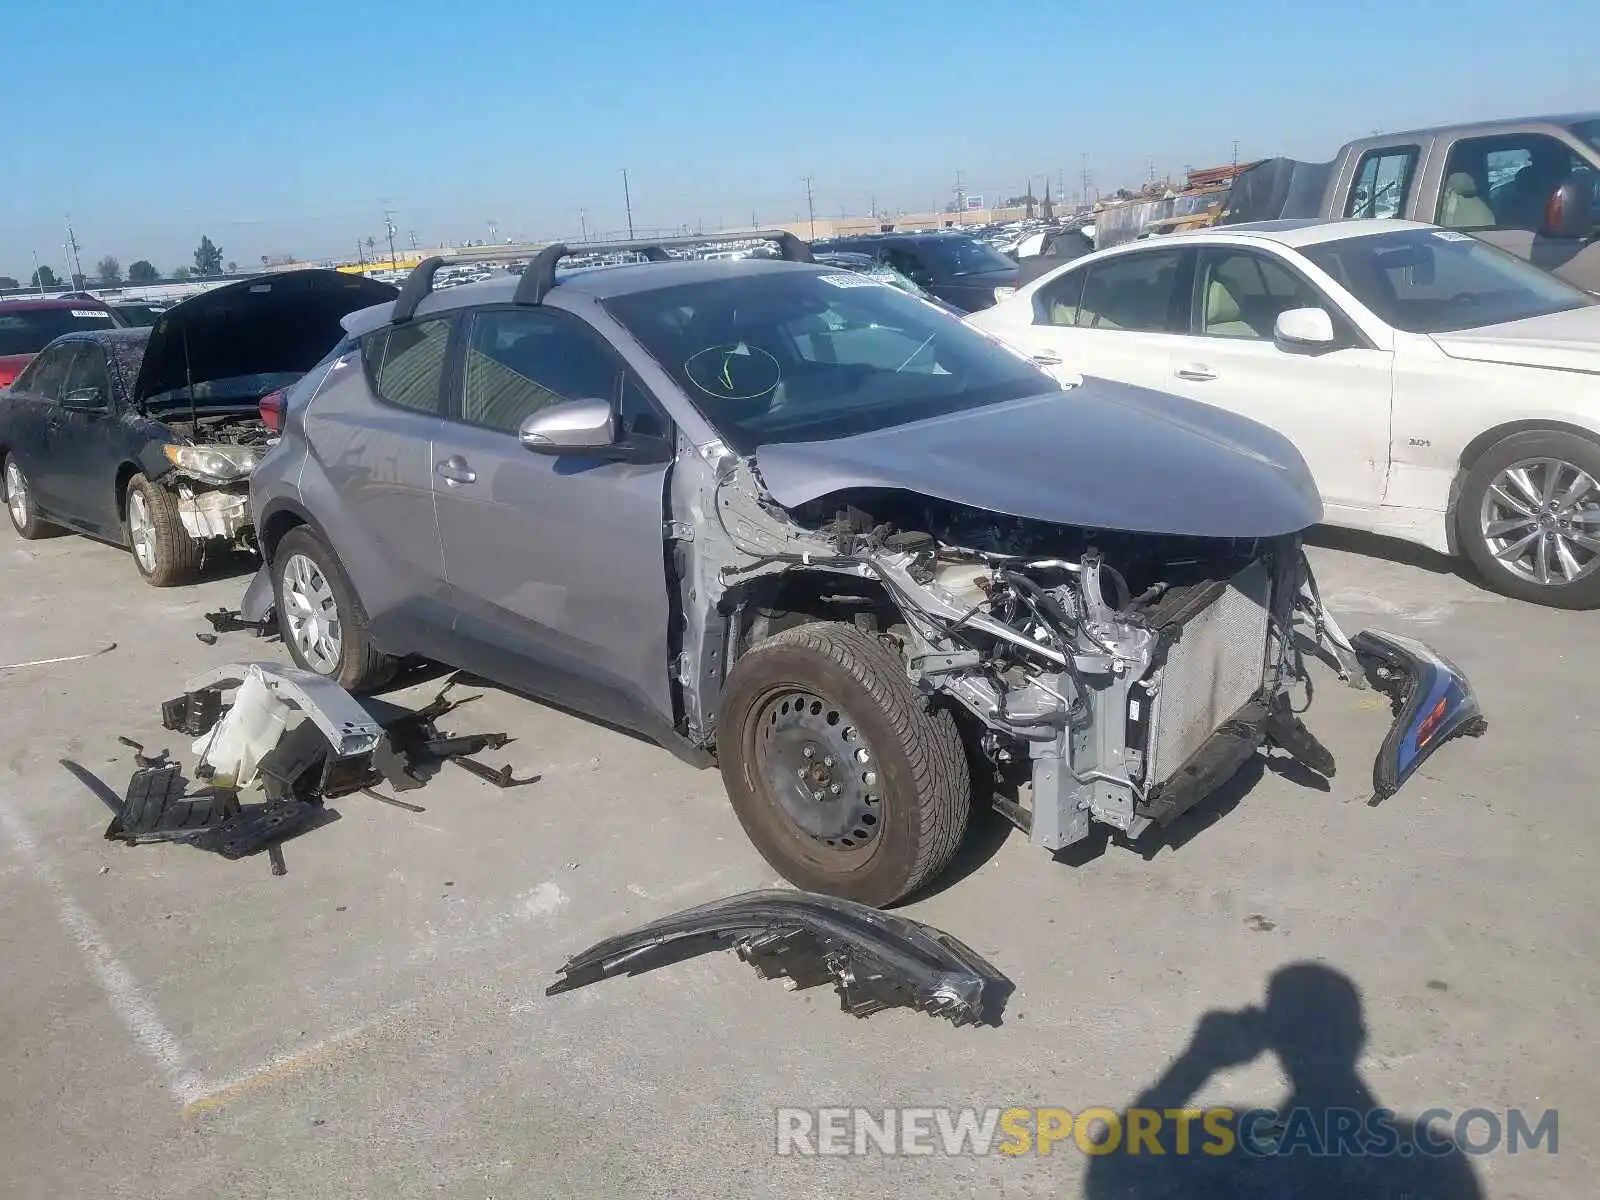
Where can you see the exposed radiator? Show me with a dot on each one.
(1213, 669)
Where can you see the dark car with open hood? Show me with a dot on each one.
(146, 437)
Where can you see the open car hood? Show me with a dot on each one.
(273, 324)
(1099, 455)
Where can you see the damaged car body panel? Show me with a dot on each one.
(175, 404)
(893, 555)
(875, 960)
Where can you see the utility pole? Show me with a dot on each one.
(494, 231)
(583, 224)
(388, 222)
(811, 208)
(627, 202)
(1083, 160)
(413, 239)
(72, 249)
(37, 277)
(361, 254)
(961, 202)
(1236, 155)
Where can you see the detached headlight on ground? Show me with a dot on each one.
(214, 464)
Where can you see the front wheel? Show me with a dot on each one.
(1528, 517)
(843, 777)
(162, 548)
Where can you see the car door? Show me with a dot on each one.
(1113, 318)
(81, 445)
(556, 564)
(1334, 404)
(371, 428)
(35, 409)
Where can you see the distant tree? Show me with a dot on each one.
(109, 270)
(233, 267)
(278, 260)
(179, 274)
(7, 283)
(207, 257)
(1124, 194)
(143, 271)
(372, 244)
(1017, 202)
(46, 278)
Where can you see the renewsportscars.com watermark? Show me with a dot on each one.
(1261, 1132)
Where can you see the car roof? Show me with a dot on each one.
(1476, 126)
(1309, 232)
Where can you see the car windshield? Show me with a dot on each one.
(1437, 280)
(796, 356)
(953, 256)
(30, 330)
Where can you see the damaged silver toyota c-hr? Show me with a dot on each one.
(815, 528)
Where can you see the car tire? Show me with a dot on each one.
(1502, 516)
(163, 551)
(321, 618)
(827, 707)
(19, 502)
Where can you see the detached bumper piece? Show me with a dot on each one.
(875, 960)
(1433, 703)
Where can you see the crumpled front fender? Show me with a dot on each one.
(876, 960)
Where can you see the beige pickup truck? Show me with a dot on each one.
(1531, 187)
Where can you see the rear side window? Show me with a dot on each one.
(521, 360)
(1382, 182)
(1131, 292)
(405, 363)
(47, 372)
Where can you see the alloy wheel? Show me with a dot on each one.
(142, 531)
(16, 494)
(1540, 519)
(312, 614)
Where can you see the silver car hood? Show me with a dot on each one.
(1101, 455)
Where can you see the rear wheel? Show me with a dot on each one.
(162, 548)
(1528, 516)
(842, 776)
(321, 618)
(19, 503)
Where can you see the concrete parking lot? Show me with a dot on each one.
(174, 1024)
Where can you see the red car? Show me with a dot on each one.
(28, 326)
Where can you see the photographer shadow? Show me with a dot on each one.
(1305, 1149)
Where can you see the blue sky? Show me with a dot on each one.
(284, 127)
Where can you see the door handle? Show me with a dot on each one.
(1196, 373)
(1047, 358)
(455, 470)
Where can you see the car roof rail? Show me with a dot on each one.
(539, 276)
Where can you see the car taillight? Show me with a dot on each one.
(272, 411)
(8, 376)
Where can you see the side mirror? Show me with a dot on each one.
(1569, 211)
(1303, 328)
(84, 399)
(571, 427)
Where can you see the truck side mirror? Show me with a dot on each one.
(1569, 213)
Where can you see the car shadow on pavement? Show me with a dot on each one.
(1376, 545)
(1329, 1139)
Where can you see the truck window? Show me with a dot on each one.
(1505, 182)
(1382, 182)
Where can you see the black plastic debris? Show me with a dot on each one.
(229, 620)
(192, 713)
(414, 747)
(875, 960)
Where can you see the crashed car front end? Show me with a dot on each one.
(208, 468)
(1111, 677)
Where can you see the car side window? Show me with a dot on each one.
(521, 360)
(48, 371)
(1240, 294)
(1503, 182)
(1131, 292)
(405, 363)
(1057, 302)
(638, 416)
(1383, 182)
(87, 382)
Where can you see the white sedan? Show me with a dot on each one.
(1440, 390)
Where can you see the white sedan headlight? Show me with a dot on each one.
(214, 464)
